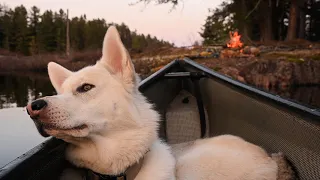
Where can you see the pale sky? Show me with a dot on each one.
(181, 26)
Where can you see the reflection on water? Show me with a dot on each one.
(18, 90)
(18, 133)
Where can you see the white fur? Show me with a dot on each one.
(223, 157)
(121, 126)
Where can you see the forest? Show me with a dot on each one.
(259, 20)
(31, 31)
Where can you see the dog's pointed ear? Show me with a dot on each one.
(57, 75)
(115, 57)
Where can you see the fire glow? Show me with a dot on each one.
(235, 41)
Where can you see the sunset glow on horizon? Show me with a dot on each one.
(180, 26)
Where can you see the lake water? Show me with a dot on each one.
(18, 134)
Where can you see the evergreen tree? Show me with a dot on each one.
(33, 32)
(95, 31)
(60, 30)
(47, 35)
(262, 20)
(217, 27)
(5, 26)
(34, 27)
(18, 35)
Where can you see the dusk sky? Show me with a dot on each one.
(180, 26)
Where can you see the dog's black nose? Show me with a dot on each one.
(38, 104)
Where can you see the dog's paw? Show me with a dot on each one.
(285, 171)
(73, 174)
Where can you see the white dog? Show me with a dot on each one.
(112, 129)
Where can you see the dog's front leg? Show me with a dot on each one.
(158, 164)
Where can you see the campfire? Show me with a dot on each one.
(235, 48)
(235, 41)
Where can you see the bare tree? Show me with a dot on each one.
(292, 29)
(67, 36)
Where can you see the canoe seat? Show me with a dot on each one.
(183, 120)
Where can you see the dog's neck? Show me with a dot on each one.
(130, 173)
(112, 154)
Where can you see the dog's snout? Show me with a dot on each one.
(38, 105)
(35, 108)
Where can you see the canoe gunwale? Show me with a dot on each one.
(196, 70)
(41, 150)
(240, 86)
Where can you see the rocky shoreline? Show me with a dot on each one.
(268, 68)
(293, 74)
(268, 73)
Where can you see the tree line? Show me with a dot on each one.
(264, 20)
(260, 20)
(31, 32)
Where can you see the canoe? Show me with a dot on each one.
(196, 102)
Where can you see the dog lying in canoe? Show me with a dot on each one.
(112, 129)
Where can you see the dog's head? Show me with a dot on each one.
(95, 100)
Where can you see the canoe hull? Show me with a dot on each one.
(275, 123)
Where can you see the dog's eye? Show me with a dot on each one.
(85, 88)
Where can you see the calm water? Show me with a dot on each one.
(18, 133)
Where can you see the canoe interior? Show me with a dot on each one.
(231, 107)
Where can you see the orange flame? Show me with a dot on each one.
(235, 41)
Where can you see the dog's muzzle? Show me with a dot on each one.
(34, 110)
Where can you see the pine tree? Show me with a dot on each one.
(60, 30)
(33, 32)
(217, 26)
(19, 39)
(34, 25)
(47, 33)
